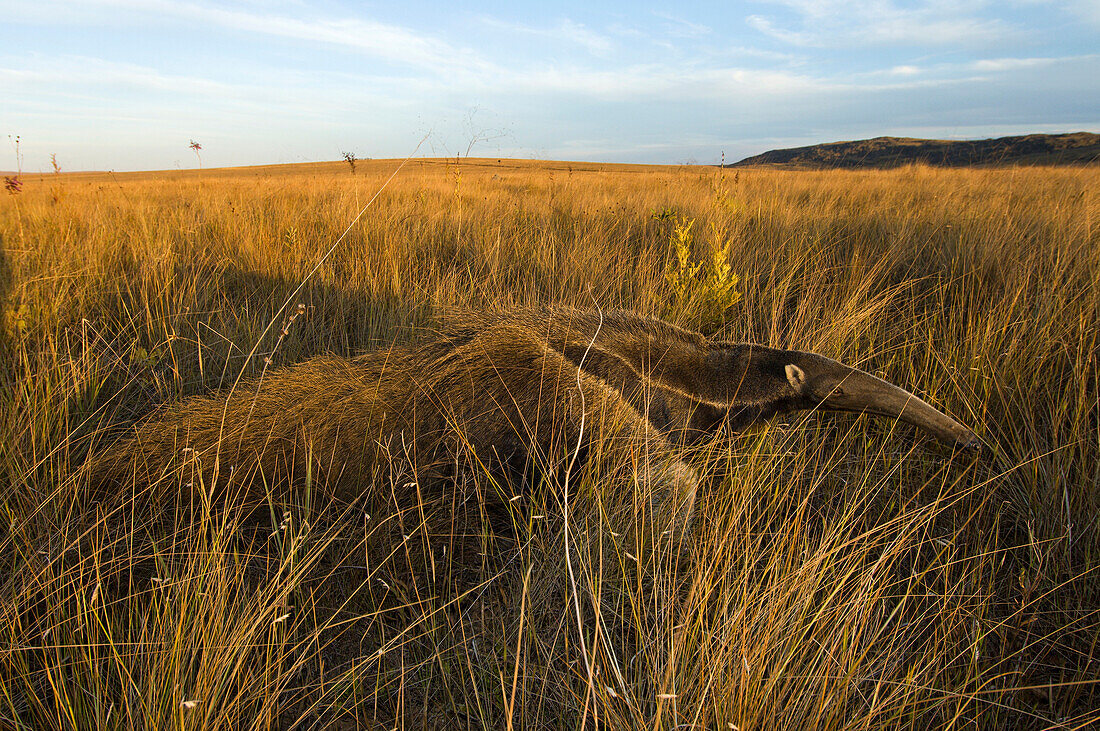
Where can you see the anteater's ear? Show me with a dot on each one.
(796, 377)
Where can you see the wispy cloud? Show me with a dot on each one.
(388, 42)
(1088, 10)
(841, 22)
(681, 28)
(1013, 64)
(565, 31)
(982, 68)
(86, 84)
(581, 35)
(82, 71)
(653, 83)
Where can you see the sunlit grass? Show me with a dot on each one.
(844, 573)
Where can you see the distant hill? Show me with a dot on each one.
(1076, 148)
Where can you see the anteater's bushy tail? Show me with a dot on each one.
(322, 417)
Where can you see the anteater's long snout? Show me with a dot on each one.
(860, 392)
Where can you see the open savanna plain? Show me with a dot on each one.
(845, 572)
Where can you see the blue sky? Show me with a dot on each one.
(127, 84)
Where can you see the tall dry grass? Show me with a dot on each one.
(843, 573)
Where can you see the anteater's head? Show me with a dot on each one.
(791, 380)
(824, 384)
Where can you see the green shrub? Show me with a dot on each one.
(703, 290)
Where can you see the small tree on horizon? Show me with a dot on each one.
(350, 158)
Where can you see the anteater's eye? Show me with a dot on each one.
(838, 391)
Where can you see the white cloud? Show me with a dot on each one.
(385, 41)
(579, 34)
(653, 82)
(913, 76)
(767, 27)
(566, 30)
(880, 22)
(90, 84)
(1088, 10)
(1012, 64)
(681, 28)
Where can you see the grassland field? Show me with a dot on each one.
(845, 573)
